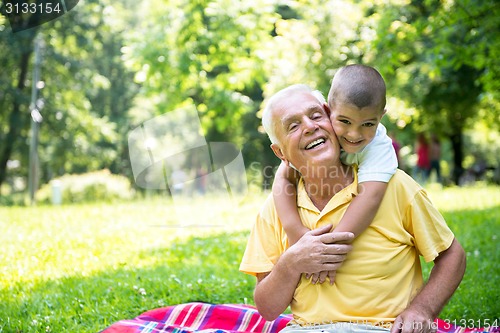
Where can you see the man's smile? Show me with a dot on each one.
(315, 143)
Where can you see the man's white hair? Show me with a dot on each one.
(267, 119)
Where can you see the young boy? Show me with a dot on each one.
(357, 104)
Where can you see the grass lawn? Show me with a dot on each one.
(80, 268)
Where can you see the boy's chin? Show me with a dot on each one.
(352, 150)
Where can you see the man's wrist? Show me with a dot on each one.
(288, 265)
(424, 309)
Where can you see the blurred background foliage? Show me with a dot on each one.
(108, 66)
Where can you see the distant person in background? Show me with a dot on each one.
(423, 162)
(178, 178)
(435, 157)
(201, 180)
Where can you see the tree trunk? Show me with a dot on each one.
(15, 120)
(458, 156)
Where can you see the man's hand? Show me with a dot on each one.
(413, 321)
(320, 250)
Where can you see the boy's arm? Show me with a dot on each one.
(363, 207)
(377, 164)
(284, 194)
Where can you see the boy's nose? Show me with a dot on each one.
(354, 135)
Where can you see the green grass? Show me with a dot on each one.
(80, 268)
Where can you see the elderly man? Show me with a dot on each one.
(379, 282)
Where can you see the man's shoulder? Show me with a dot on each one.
(267, 211)
(403, 183)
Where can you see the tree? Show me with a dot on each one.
(442, 57)
(209, 54)
(88, 92)
(15, 100)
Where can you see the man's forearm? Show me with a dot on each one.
(444, 279)
(274, 291)
(448, 270)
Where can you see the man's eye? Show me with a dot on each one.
(317, 116)
(293, 126)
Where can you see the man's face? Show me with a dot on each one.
(355, 128)
(305, 132)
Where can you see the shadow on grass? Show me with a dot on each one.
(198, 269)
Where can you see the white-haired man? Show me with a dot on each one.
(379, 282)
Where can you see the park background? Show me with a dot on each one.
(109, 251)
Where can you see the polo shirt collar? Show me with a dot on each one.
(342, 197)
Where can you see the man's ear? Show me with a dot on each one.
(279, 153)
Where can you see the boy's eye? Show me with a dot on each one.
(369, 124)
(344, 121)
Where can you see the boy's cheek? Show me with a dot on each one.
(337, 129)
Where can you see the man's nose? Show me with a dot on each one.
(310, 125)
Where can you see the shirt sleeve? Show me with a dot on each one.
(265, 244)
(428, 227)
(377, 161)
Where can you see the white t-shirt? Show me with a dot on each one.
(377, 161)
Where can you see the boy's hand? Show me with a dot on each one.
(321, 277)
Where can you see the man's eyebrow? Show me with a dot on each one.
(310, 109)
(287, 119)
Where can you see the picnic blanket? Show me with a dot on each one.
(230, 318)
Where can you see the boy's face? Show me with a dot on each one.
(355, 128)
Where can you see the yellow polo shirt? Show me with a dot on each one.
(382, 273)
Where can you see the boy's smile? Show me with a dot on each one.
(355, 128)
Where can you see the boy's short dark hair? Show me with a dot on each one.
(359, 85)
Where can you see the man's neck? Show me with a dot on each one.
(322, 184)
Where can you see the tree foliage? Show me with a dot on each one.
(440, 57)
(86, 93)
(108, 67)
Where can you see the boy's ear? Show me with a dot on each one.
(279, 153)
(383, 113)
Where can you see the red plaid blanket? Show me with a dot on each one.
(227, 318)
